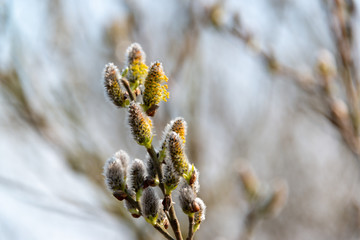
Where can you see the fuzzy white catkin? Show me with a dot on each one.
(161, 214)
(200, 215)
(133, 52)
(173, 126)
(170, 176)
(137, 175)
(186, 197)
(123, 157)
(150, 202)
(150, 167)
(115, 171)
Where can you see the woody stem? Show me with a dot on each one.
(173, 219)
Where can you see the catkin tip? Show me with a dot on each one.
(135, 53)
(115, 171)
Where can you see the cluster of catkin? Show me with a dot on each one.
(139, 90)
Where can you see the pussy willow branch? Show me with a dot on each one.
(344, 48)
(156, 226)
(191, 226)
(173, 219)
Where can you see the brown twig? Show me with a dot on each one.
(339, 26)
(163, 232)
(134, 203)
(191, 228)
(154, 157)
(128, 89)
(173, 219)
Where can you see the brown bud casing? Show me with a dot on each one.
(192, 179)
(120, 195)
(149, 182)
(195, 206)
(152, 110)
(166, 224)
(134, 215)
(166, 203)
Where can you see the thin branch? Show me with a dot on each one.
(250, 223)
(128, 89)
(134, 203)
(154, 157)
(163, 232)
(348, 71)
(343, 44)
(173, 219)
(191, 228)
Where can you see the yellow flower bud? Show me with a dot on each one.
(113, 90)
(177, 154)
(179, 126)
(137, 69)
(140, 125)
(155, 92)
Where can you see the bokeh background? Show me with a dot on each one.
(245, 76)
